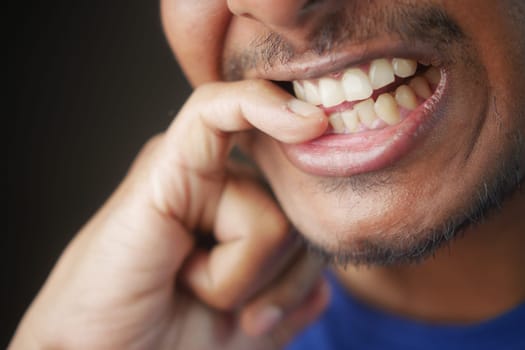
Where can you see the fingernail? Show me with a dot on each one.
(267, 319)
(304, 109)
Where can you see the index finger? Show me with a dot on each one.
(201, 132)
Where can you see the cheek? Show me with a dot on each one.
(497, 29)
(195, 31)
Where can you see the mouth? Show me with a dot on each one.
(376, 111)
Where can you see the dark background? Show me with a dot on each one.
(92, 81)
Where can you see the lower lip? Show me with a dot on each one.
(350, 154)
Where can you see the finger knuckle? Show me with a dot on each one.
(153, 141)
(277, 226)
(224, 301)
(207, 92)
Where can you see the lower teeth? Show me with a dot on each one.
(389, 108)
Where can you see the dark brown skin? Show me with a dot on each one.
(134, 277)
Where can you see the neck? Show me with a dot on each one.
(475, 278)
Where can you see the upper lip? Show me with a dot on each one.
(310, 65)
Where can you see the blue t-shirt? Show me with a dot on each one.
(349, 324)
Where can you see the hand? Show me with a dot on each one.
(134, 276)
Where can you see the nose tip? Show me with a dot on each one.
(273, 13)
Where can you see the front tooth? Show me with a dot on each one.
(311, 93)
(331, 92)
(366, 112)
(387, 109)
(351, 120)
(337, 123)
(356, 85)
(381, 73)
(420, 87)
(406, 97)
(433, 75)
(299, 90)
(404, 68)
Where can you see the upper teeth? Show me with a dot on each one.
(404, 68)
(355, 84)
(381, 73)
(364, 110)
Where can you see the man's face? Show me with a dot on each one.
(432, 144)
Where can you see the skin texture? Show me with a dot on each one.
(467, 142)
(136, 277)
(471, 159)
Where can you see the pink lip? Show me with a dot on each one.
(346, 155)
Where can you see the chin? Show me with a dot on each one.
(390, 218)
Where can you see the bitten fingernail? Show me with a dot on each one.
(267, 319)
(304, 109)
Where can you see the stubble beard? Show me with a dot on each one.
(414, 246)
(426, 23)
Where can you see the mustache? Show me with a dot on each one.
(358, 23)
